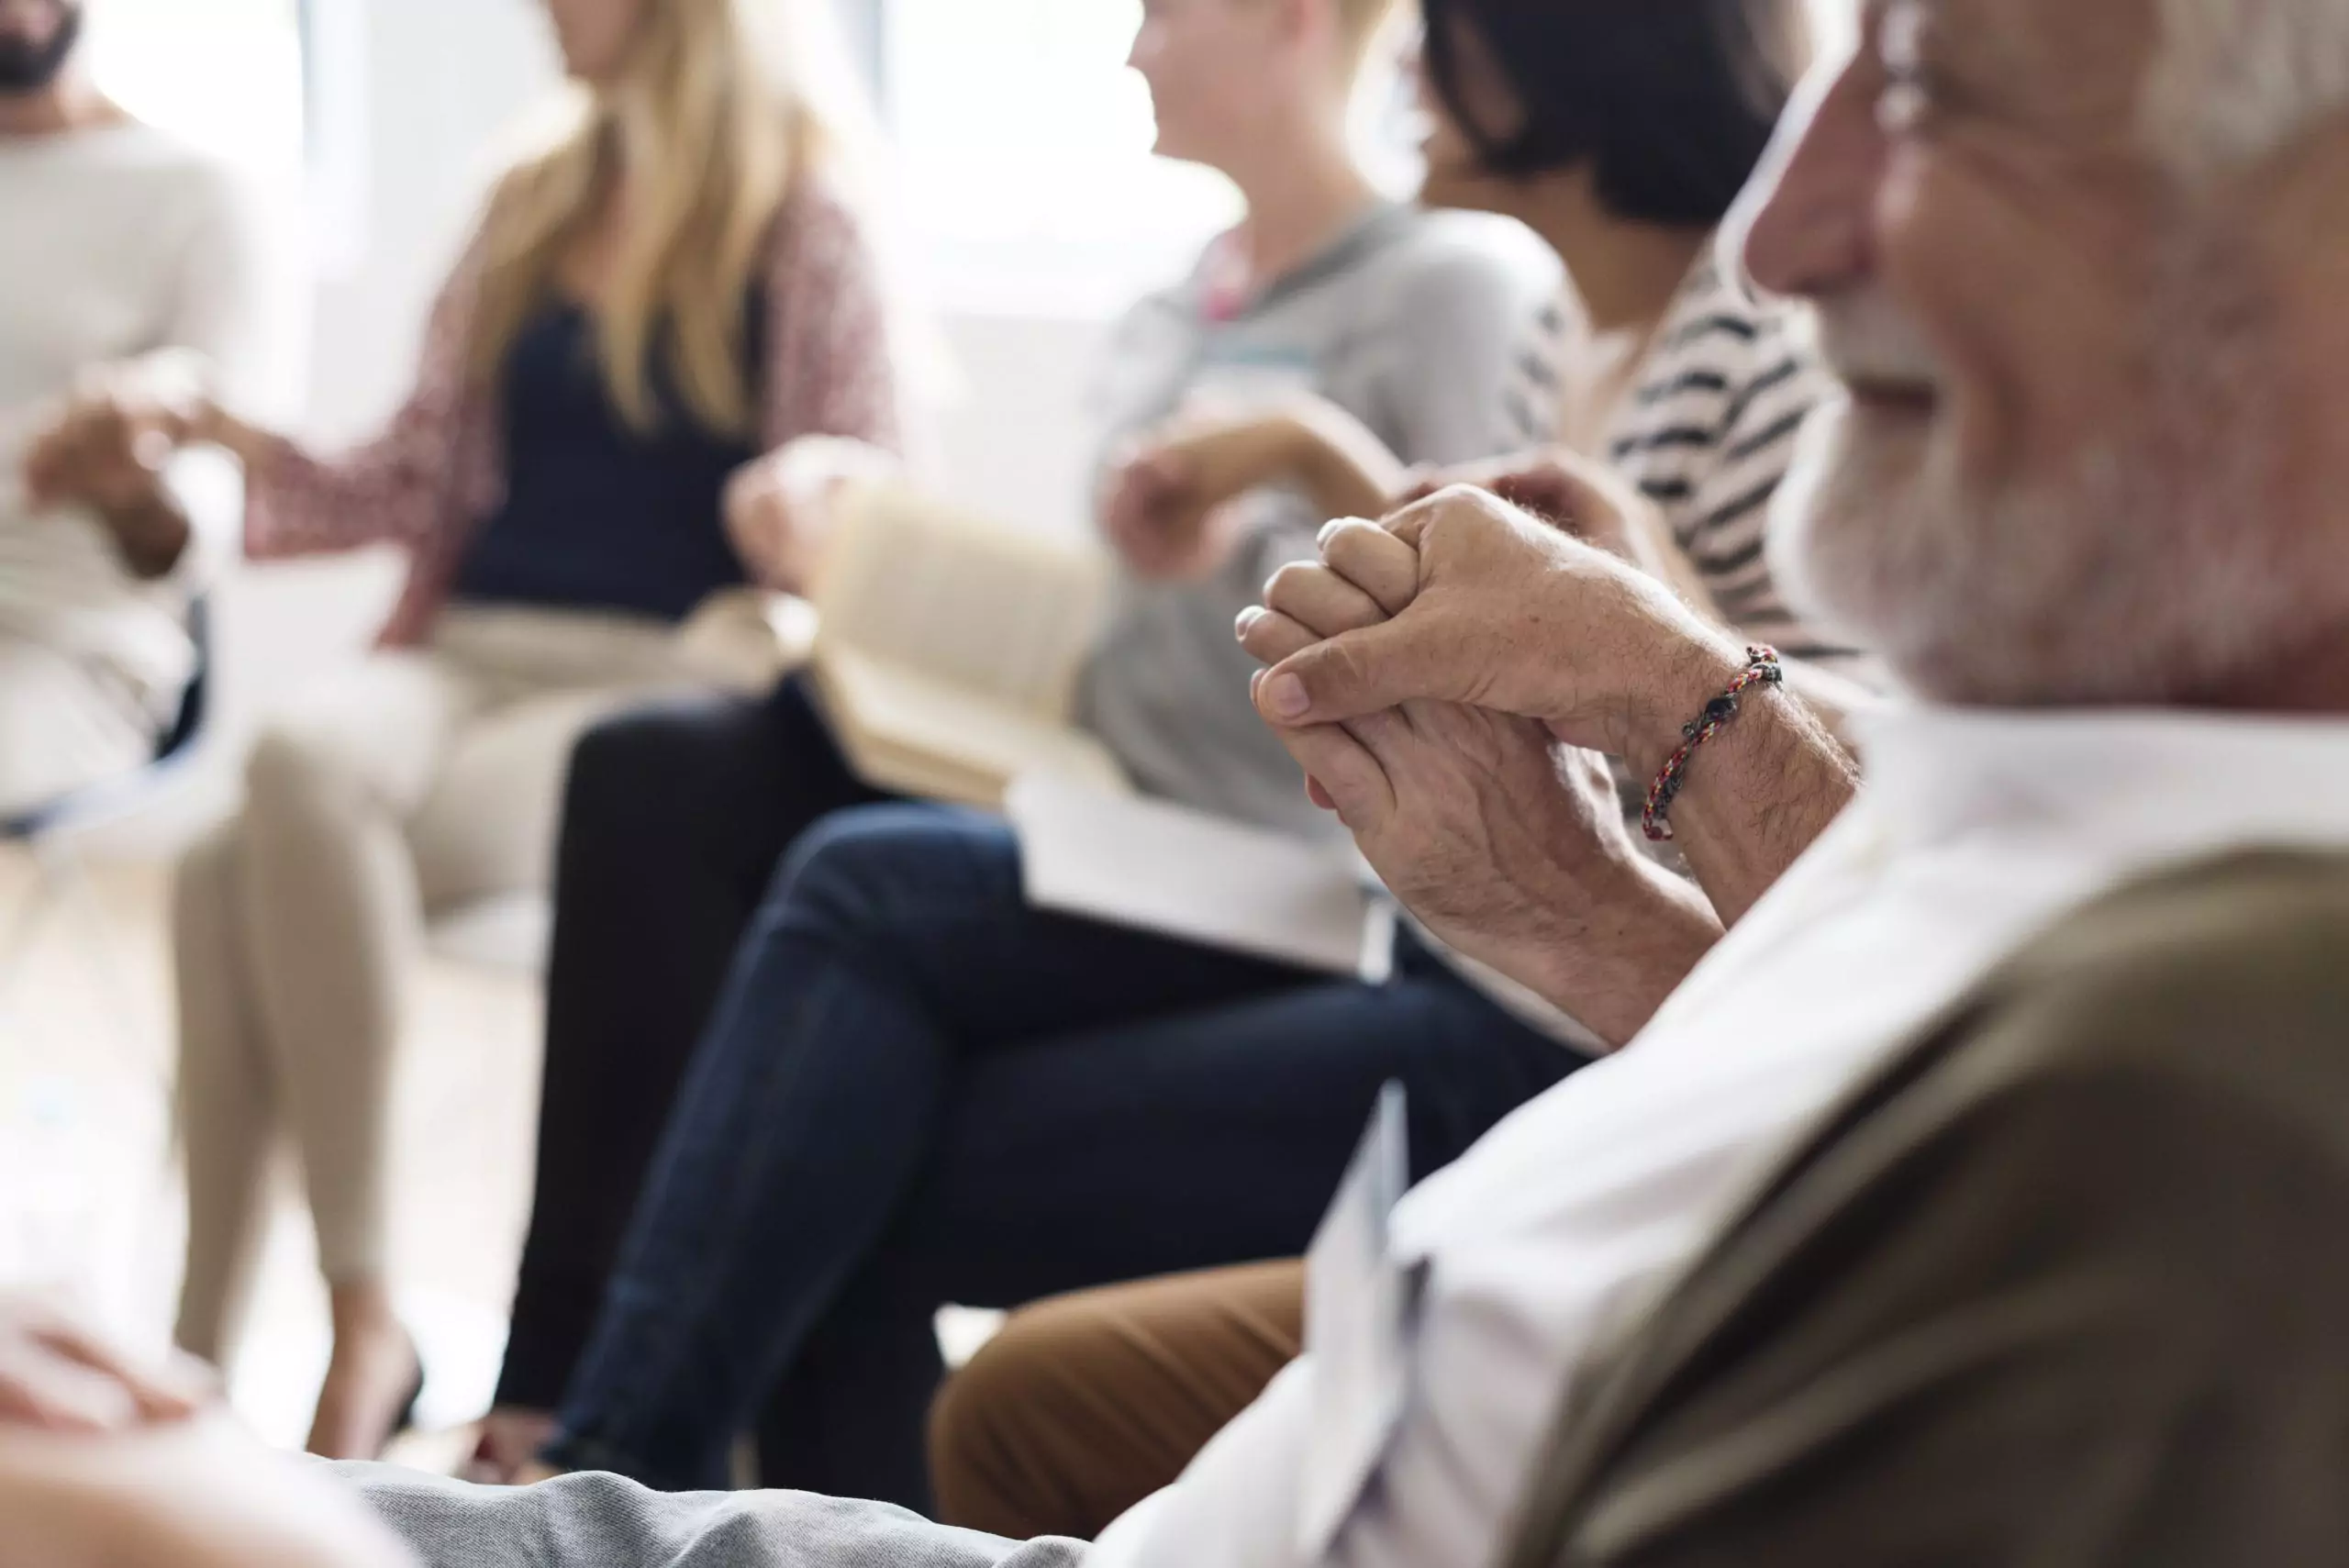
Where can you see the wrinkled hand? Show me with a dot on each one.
(1571, 492)
(1507, 612)
(1509, 846)
(59, 1378)
(1169, 506)
(779, 508)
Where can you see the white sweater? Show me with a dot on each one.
(113, 243)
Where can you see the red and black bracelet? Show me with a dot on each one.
(1761, 668)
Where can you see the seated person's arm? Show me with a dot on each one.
(1495, 611)
(1163, 504)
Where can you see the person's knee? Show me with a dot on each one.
(661, 774)
(873, 867)
(292, 769)
(1001, 1423)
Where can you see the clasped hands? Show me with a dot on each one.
(1452, 681)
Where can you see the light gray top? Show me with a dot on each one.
(1416, 323)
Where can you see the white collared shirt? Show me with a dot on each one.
(1976, 830)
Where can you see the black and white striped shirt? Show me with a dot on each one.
(1707, 432)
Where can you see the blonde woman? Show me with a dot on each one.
(661, 299)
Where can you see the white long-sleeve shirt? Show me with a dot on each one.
(117, 242)
(1974, 830)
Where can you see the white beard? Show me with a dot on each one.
(2162, 565)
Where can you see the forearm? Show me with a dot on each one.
(1344, 467)
(1757, 795)
(1624, 954)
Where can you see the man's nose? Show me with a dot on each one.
(1806, 231)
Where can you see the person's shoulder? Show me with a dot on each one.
(1422, 259)
(1724, 339)
(2227, 980)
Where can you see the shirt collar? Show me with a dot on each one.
(2148, 784)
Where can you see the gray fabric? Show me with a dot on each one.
(603, 1521)
(1415, 323)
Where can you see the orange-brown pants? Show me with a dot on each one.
(1087, 1404)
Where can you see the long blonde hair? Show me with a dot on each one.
(724, 104)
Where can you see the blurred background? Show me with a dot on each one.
(1028, 210)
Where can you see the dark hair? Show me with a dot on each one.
(1671, 101)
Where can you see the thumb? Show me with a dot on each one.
(1347, 676)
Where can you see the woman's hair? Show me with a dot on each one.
(1671, 101)
(723, 106)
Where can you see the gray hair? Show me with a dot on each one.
(2237, 81)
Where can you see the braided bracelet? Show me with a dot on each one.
(1761, 668)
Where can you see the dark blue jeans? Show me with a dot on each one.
(918, 1090)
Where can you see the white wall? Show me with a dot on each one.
(442, 80)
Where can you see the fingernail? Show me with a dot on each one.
(1285, 694)
(1333, 526)
(1248, 617)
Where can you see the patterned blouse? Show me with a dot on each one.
(437, 471)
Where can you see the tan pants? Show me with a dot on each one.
(1087, 1404)
(415, 783)
(64, 724)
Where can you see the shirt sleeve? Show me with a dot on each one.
(235, 307)
(432, 469)
(2089, 1316)
(1236, 1505)
(832, 363)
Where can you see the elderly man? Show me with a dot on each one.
(2078, 266)
(130, 266)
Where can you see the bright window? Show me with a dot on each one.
(225, 73)
(1024, 153)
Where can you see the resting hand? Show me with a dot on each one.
(1509, 847)
(59, 1378)
(780, 508)
(1170, 505)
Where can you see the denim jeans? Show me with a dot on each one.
(917, 1089)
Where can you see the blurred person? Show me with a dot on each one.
(131, 265)
(661, 298)
(106, 1463)
(2073, 266)
(677, 821)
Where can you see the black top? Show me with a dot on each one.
(597, 515)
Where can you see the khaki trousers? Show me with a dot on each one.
(415, 783)
(1087, 1404)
